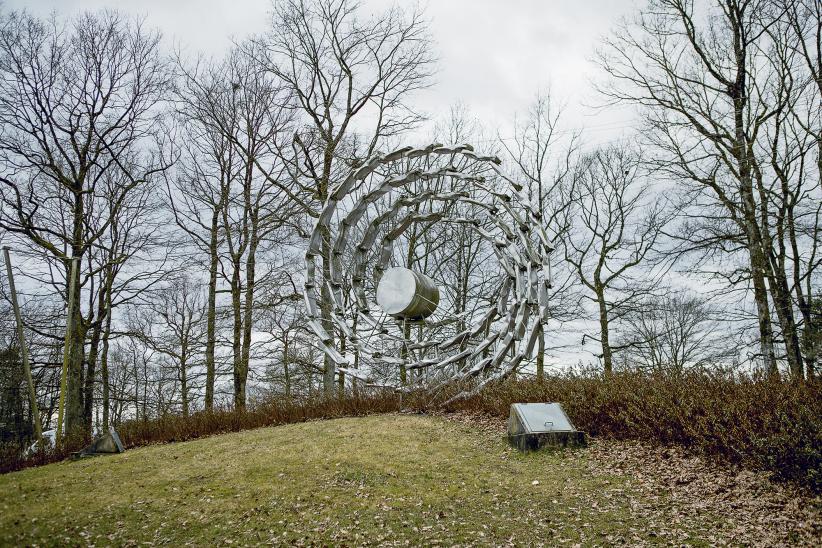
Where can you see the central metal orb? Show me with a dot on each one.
(406, 294)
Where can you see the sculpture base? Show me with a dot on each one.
(547, 440)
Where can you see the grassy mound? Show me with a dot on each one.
(373, 480)
(760, 424)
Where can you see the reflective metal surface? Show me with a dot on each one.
(396, 290)
(366, 216)
(543, 417)
(403, 293)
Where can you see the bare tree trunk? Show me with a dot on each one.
(251, 262)
(355, 390)
(329, 367)
(783, 304)
(104, 373)
(184, 379)
(74, 379)
(145, 396)
(286, 371)
(406, 333)
(810, 329)
(766, 342)
(756, 249)
(136, 391)
(604, 336)
(812, 335)
(211, 312)
(236, 346)
(753, 234)
(94, 348)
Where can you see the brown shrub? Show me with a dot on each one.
(172, 428)
(13, 455)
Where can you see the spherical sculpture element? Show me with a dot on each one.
(406, 294)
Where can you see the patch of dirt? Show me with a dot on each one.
(668, 488)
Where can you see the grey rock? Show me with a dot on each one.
(104, 444)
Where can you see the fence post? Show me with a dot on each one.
(24, 355)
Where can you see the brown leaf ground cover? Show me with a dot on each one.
(394, 480)
(674, 491)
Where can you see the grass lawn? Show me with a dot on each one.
(389, 479)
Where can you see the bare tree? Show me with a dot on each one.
(543, 157)
(43, 343)
(675, 332)
(284, 322)
(240, 118)
(342, 69)
(611, 228)
(198, 189)
(128, 259)
(170, 323)
(791, 179)
(256, 214)
(77, 102)
(718, 81)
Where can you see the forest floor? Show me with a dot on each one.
(398, 480)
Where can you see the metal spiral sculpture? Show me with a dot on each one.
(371, 304)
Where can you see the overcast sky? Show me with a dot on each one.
(494, 54)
